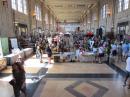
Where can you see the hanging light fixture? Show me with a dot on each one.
(34, 14)
(4, 2)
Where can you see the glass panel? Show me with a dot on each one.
(126, 4)
(25, 6)
(104, 11)
(120, 6)
(14, 4)
(38, 13)
(20, 5)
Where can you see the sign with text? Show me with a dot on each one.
(14, 43)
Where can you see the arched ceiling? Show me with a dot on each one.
(70, 10)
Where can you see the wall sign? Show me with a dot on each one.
(14, 43)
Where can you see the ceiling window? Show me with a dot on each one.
(123, 5)
(25, 6)
(20, 5)
(14, 4)
(126, 4)
(104, 11)
(120, 5)
(38, 13)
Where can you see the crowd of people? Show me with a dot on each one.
(42, 46)
(103, 47)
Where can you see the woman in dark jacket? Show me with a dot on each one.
(19, 79)
(49, 53)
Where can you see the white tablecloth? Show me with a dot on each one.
(28, 52)
(12, 58)
(67, 55)
(87, 57)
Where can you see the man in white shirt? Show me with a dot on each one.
(77, 53)
(125, 49)
(127, 71)
(100, 53)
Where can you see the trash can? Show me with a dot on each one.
(56, 58)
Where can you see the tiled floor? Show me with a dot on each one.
(67, 80)
(80, 68)
(82, 88)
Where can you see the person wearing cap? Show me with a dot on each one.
(127, 71)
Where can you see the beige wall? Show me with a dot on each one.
(8, 16)
(110, 21)
(106, 22)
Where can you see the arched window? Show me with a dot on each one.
(19, 5)
(25, 6)
(120, 5)
(14, 4)
(38, 13)
(126, 4)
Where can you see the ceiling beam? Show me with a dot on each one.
(68, 9)
(74, 6)
(64, 2)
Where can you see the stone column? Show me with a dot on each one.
(30, 13)
(49, 17)
(6, 19)
(43, 16)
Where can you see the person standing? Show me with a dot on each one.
(41, 49)
(108, 50)
(37, 49)
(19, 79)
(125, 50)
(49, 53)
(100, 32)
(100, 53)
(127, 71)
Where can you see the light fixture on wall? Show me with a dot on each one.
(34, 14)
(108, 11)
(4, 2)
(34, 17)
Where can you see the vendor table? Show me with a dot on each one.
(87, 57)
(27, 52)
(12, 58)
(67, 56)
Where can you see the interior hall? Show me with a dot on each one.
(65, 48)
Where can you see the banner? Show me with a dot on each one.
(5, 45)
(1, 52)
